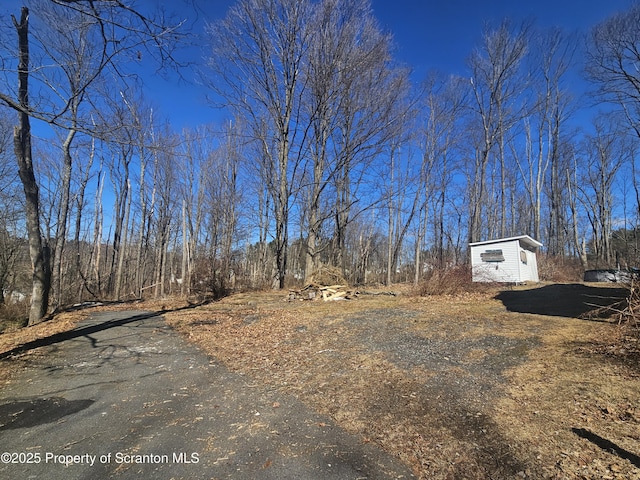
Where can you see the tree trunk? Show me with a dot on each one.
(38, 250)
(185, 251)
(97, 236)
(80, 203)
(123, 244)
(61, 230)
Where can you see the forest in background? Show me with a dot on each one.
(332, 154)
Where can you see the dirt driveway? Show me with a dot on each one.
(123, 396)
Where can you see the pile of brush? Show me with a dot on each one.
(629, 309)
(314, 291)
(625, 311)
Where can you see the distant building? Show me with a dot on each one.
(508, 260)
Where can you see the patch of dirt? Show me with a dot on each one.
(457, 387)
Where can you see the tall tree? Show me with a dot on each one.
(328, 53)
(347, 50)
(223, 202)
(613, 55)
(374, 113)
(440, 135)
(68, 38)
(603, 153)
(543, 129)
(122, 29)
(258, 52)
(496, 84)
(38, 248)
(11, 246)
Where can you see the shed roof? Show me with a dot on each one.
(524, 238)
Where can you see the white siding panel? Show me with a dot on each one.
(507, 271)
(512, 269)
(533, 266)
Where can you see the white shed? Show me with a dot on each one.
(508, 260)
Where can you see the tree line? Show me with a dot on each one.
(332, 155)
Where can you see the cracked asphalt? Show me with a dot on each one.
(124, 396)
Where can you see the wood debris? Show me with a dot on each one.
(328, 293)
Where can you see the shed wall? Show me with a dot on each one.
(507, 271)
(529, 270)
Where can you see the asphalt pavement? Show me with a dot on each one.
(124, 396)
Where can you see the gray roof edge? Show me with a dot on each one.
(526, 238)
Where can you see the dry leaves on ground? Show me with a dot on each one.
(455, 386)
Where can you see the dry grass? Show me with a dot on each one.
(19, 336)
(451, 281)
(330, 356)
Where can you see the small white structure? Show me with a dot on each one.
(508, 260)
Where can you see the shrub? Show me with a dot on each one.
(559, 269)
(450, 281)
(326, 275)
(13, 316)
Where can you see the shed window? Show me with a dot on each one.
(492, 256)
(523, 256)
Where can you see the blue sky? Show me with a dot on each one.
(429, 34)
(441, 34)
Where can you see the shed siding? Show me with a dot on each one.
(528, 271)
(507, 271)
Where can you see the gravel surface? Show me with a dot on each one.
(467, 370)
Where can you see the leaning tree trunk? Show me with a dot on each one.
(38, 250)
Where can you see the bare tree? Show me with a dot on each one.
(572, 187)
(38, 249)
(11, 246)
(85, 174)
(164, 204)
(540, 162)
(122, 30)
(68, 39)
(119, 165)
(613, 54)
(346, 50)
(374, 112)
(258, 52)
(223, 200)
(496, 86)
(440, 134)
(196, 152)
(603, 154)
(328, 57)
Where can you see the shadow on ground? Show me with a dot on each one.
(87, 330)
(36, 411)
(607, 445)
(566, 300)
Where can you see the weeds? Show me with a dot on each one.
(559, 269)
(451, 281)
(13, 316)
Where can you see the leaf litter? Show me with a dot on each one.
(457, 387)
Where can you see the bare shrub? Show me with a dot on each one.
(13, 316)
(559, 269)
(626, 311)
(450, 281)
(326, 275)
